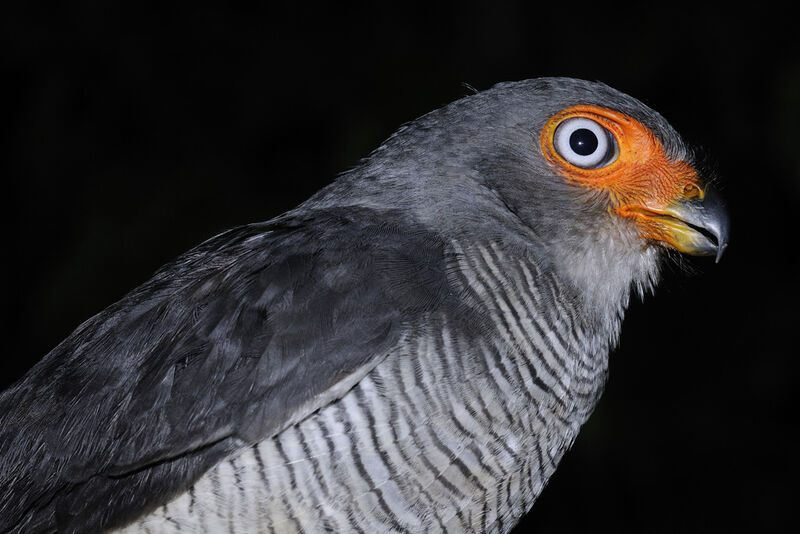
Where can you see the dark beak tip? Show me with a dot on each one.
(713, 216)
(720, 250)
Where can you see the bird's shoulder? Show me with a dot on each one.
(222, 347)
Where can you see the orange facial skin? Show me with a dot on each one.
(642, 182)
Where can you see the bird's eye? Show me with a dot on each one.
(585, 143)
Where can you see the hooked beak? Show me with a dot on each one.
(698, 226)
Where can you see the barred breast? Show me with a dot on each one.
(449, 433)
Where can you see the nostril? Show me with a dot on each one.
(692, 191)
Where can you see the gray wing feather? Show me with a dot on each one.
(218, 350)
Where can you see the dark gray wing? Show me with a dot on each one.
(218, 350)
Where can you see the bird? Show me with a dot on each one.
(412, 349)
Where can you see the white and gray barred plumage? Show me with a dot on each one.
(411, 350)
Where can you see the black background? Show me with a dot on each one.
(136, 132)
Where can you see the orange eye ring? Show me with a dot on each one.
(633, 140)
(640, 171)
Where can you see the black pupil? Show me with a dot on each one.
(583, 142)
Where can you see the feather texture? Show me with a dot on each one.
(413, 348)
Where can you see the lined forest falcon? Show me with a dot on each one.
(413, 349)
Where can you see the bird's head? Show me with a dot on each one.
(600, 149)
(599, 184)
